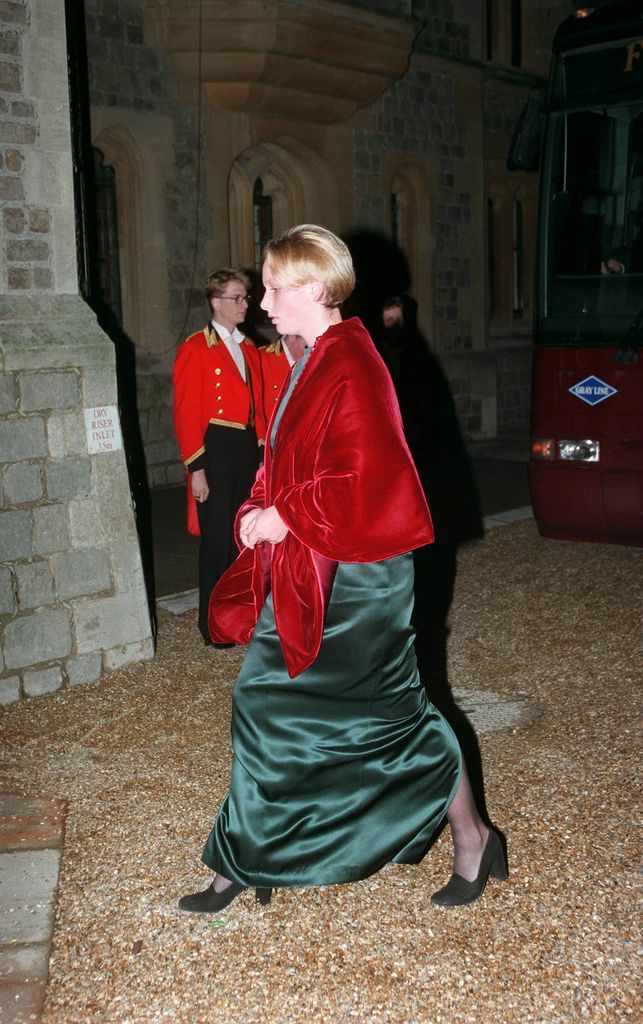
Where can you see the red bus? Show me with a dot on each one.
(586, 466)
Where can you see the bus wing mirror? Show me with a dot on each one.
(524, 151)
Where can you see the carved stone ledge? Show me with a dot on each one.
(306, 59)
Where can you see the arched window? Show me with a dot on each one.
(518, 261)
(511, 225)
(107, 259)
(395, 231)
(490, 22)
(500, 243)
(503, 30)
(515, 16)
(400, 205)
(410, 226)
(491, 260)
(261, 221)
(272, 185)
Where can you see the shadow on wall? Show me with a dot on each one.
(133, 444)
(438, 449)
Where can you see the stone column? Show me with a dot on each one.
(72, 595)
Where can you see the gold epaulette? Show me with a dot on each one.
(211, 336)
(275, 347)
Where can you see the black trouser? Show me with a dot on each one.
(232, 461)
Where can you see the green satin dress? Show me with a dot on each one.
(347, 766)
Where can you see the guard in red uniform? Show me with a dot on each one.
(217, 386)
(276, 360)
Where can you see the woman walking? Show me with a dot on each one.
(340, 763)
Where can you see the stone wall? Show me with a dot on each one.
(26, 243)
(155, 402)
(513, 388)
(129, 78)
(491, 390)
(446, 115)
(72, 595)
(502, 108)
(447, 26)
(452, 116)
(417, 118)
(126, 74)
(72, 598)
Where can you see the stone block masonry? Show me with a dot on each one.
(73, 602)
(72, 596)
(25, 227)
(43, 636)
(132, 84)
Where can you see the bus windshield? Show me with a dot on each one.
(592, 273)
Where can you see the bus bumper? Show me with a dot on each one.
(587, 503)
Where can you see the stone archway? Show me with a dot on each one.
(141, 226)
(296, 178)
(412, 186)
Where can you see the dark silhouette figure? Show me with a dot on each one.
(87, 243)
(133, 446)
(438, 449)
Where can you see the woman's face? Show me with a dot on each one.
(287, 305)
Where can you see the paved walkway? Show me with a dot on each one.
(31, 841)
(32, 830)
(543, 655)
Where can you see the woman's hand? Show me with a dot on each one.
(260, 525)
(200, 488)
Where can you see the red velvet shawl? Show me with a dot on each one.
(342, 479)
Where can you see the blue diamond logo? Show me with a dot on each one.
(593, 390)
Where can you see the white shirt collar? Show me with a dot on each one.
(225, 334)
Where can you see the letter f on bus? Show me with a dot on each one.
(634, 51)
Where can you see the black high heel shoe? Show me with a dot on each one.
(211, 902)
(458, 891)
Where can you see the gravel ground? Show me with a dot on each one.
(143, 759)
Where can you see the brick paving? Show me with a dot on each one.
(31, 842)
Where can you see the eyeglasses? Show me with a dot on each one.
(238, 299)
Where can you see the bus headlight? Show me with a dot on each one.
(579, 451)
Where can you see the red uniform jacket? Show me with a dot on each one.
(208, 388)
(344, 483)
(274, 369)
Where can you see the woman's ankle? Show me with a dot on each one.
(220, 883)
(468, 850)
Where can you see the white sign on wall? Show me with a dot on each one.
(103, 429)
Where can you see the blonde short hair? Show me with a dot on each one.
(309, 252)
